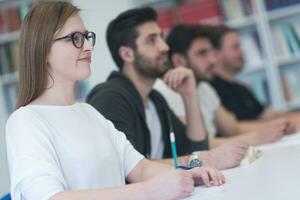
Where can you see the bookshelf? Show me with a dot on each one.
(270, 36)
(12, 13)
(288, 60)
(9, 37)
(284, 12)
(242, 22)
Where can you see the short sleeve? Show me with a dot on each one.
(34, 168)
(129, 157)
(209, 102)
(209, 96)
(114, 107)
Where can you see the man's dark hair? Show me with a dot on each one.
(217, 33)
(182, 36)
(122, 31)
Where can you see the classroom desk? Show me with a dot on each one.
(274, 176)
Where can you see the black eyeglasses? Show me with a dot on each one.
(78, 38)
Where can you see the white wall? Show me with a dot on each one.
(96, 15)
(4, 183)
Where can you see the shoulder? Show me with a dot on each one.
(242, 86)
(219, 84)
(157, 97)
(108, 91)
(24, 122)
(22, 115)
(91, 111)
(111, 99)
(205, 87)
(208, 94)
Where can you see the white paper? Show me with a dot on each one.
(202, 192)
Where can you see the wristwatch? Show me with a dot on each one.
(195, 161)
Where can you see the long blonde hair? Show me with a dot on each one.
(37, 32)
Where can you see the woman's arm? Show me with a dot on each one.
(131, 191)
(156, 181)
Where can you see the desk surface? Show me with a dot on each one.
(275, 175)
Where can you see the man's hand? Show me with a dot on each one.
(225, 156)
(181, 80)
(272, 131)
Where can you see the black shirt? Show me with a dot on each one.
(238, 99)
(119, 101)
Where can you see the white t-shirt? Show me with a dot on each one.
(55, 148)
(153, 122)
(208, 99)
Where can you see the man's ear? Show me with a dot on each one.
(126, 53)
(178, 60)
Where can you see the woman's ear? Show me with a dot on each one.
(48, 60)
(178, 60)
(126, 53)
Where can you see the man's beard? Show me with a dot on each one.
(147, 68)
(198, 75)
(233, 67)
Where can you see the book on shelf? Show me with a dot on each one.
(286, 39)
(3, 22)
(9, 58)
(291, 84)
(295, 28)
(14, 49)
(11, 18)
(165, 18)
(277, 4)
(252, 49)
(4, 59)
(204, 11)
(280, 45)
(236, 9)
(291, 39)
(15, 21)
(286, 90)
(10, 95)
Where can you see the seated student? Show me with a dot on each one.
(237, 98)
(129, 101)
(194, 51)
(58, 149)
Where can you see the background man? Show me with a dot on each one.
(129, 101)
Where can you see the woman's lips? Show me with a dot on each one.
(85, 59)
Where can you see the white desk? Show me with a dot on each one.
(274, 176)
